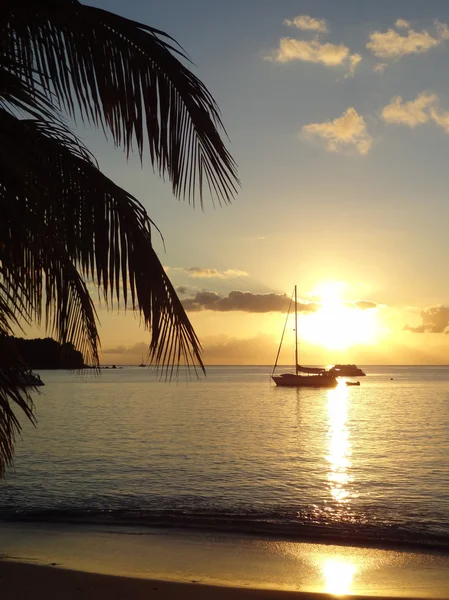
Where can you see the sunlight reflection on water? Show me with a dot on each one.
(339, 447)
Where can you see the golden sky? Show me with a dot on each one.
(338, 117)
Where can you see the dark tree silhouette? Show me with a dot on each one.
(41, 353)
(63, 223)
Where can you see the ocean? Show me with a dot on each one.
(364, 466)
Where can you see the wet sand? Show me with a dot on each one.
(21, 581)
(46, 562)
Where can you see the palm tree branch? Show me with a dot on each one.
(127, 78)
(59, 203)
(12, 393)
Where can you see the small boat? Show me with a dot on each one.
(346, 371)
(353, 383)
(303, 376)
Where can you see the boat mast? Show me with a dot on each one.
(296, 333)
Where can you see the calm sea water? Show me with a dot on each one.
(367, 465)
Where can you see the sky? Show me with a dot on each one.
(338, 117)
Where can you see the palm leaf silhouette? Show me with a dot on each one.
(65, 224)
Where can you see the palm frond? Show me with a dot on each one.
(128, 79)
(16, 94)
(61, 214)
(13, 392)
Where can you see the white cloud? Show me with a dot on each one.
(343, 132)
(413, 113)
(392, 44)
(307, 23)
(330, 55)
(423, 109)
(402, 24)
(315, 51)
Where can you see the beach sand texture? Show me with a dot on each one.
(78, 562)
(20, 581)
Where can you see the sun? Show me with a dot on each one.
(338, 324)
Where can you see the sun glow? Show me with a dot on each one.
(338, 324)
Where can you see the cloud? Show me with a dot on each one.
(434, 320)
(423, 109)
(230, 273)
(392, 44)
(402, 24)
(410, 113)
(364, 304)
(135, 350)
(440, 118)
(315, 51)
(354, 60)
(442, 30)
(380, 67)
(199, 272)
(186, 290)
(345, 131)
(307, 23)
(244, 302)
(330, 55)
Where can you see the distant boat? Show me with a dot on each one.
(311, 376)
(142, 364)
(353, 383)
(346, 371)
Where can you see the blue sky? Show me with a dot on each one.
(370, 209)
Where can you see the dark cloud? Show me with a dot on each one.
(187, 290)
(244, 302)
(228, 274)
(434, 320)
(365, 304)
(200, 272)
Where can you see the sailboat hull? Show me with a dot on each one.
(311, 381)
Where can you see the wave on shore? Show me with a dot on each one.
(280, 525)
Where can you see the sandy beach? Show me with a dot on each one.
(20, 581)
(43, 561)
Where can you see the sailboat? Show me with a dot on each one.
(303, 376)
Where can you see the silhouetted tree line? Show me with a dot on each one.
(39, 354)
